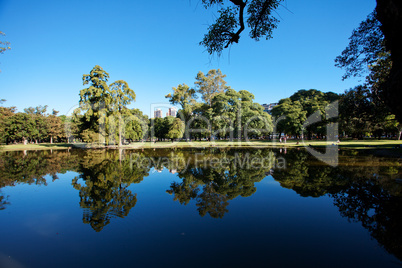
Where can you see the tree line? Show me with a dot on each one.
(34, 125)
(221, 113)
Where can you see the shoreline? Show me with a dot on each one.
(347, 144)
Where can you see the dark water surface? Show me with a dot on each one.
(199, 208)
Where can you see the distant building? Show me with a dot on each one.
(268, 107)
(172, 112)
(158, 113)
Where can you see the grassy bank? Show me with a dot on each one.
(353, 144)
(41, 146)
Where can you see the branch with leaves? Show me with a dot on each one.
(231, 22)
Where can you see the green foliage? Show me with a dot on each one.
(361, 114)
(95, 99)
(294, 114)
(105, 107)
(184, 96)
(231, 22)
(5, 115)
(365, 45)
(90, 136)
(225, 113)
(55, 126)
(367, 52)
(122, 96)
(176, 131)
(20, 127)
(136, 125)
(210, 84)
(213, 186)
(103, 191)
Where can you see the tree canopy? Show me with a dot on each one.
(233, 18)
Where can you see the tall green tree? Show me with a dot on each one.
(5, 114)
(55, 127)
(210, 84)
(94, 100)
(122, 95)
(21, 127)
(290, 117)
(367, 54)
(136, 125)
(297, 113)
(184, 96)
(38, 115)
(235, 114)
(176, 130)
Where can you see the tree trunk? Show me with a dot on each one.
(119, 130)
(400, 134)
(389, 13)
(51, 139)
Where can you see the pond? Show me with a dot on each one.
(199, 208)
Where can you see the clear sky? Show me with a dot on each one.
(153, 45)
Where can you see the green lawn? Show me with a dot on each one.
(355, 144)
(41, 146)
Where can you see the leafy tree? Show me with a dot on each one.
(176, 131)
(72, 125)
(184, 96)
(136, 126)
(156, 128)
(232, 20)
(367, 53)
(20, 127)
(365, 45)
(5, 114)
(210, 84)
(54, 126)
(235, 114)
(295, 112)
(122, 96)
(95, 99)
(167, 124)
(254, 121)
(294, 117)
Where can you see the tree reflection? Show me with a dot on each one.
(31, 167)
(307, 176)
(212, 184)
(365, 188)
(3, 201)
(103, 186)
(367, 202)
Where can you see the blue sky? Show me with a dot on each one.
(153, 45)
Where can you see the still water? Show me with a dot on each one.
(199, 208)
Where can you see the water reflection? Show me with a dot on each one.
(364, 187)
(102, 186)
(212, 186)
